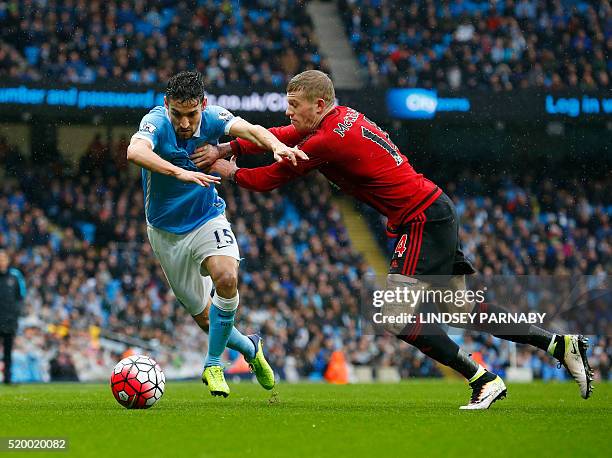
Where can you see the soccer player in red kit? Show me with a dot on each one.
(360, 158)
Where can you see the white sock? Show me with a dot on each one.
(227, 305)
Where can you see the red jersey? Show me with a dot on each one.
(355, 155)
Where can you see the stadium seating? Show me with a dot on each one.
(230, 42)
(477, 44)
(94, 282)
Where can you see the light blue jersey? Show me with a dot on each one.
(170, 204)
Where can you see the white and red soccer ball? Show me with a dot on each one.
(137, 382)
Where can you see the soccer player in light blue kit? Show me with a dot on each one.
(185, 216)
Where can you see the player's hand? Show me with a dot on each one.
(199, 178)
(204, 156)
(291, 153)
(227, 169)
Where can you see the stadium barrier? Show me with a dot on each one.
(74, 101)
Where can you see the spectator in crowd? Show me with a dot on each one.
(62, 368)
(12, 293)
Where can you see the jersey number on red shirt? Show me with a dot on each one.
(384, 143)
(400, 249)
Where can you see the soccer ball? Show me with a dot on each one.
(137, 382)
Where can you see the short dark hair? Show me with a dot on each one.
(186, 86)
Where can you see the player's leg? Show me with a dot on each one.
(237, 341)
(190, 287)
(424, 253)
(517, 332)
(224, 273)
(569, 349)
(250, 346)
(215, 245)
(182, 271)
(7, 339)
(432, 340)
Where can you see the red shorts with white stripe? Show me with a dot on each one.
(429, 243)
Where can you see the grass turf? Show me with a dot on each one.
(416, 418)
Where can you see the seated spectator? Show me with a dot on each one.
(62, 368)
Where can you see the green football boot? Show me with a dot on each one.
(214, 378)
(259, 366)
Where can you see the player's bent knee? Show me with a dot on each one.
(403, 304)
(464, 302)
(226, 284)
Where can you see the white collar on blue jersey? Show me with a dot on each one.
(197, 132)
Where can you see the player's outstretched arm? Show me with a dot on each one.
(204, 156)
(266, 178)
(265, 139)
(260, 179)
(140, 153)
(286, 134)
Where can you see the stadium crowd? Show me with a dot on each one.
(94, 284)
(142, 41)
(471, 44)
(459, 44)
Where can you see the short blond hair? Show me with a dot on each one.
(314, 84)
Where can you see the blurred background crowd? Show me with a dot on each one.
(94, 284)
(252, 42)
(459, 44)
(78, 234)
(492, 45)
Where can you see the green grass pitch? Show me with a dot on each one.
(416, 418)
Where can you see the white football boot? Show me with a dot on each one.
(575, 361)
(486, 393)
